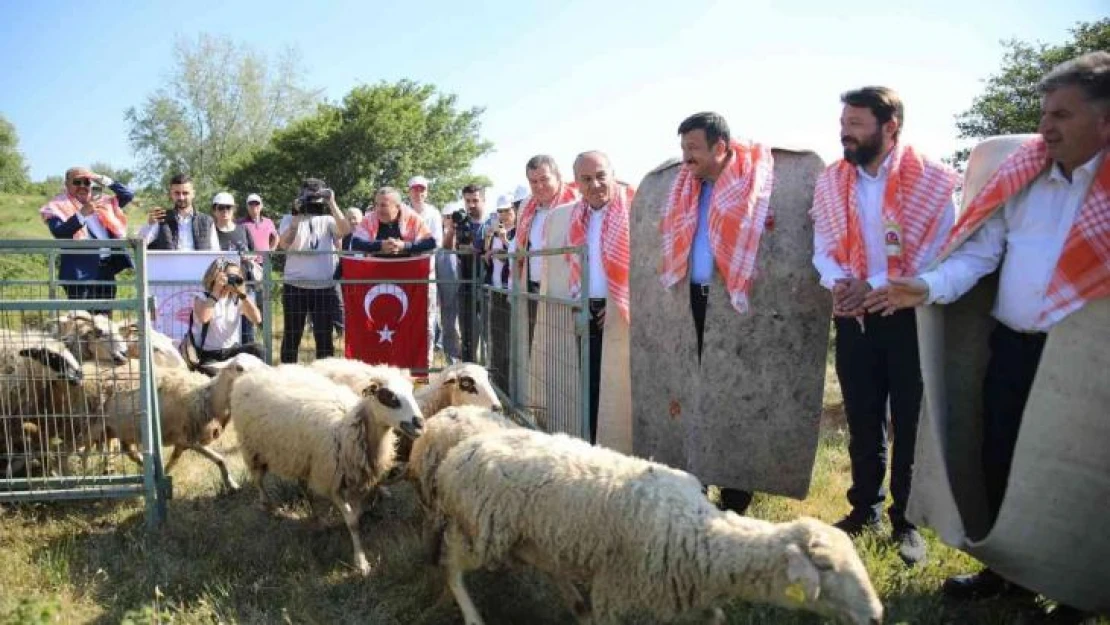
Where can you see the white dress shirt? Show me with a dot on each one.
(536, 243)
(185, 240)
(869, 195)
(433, 220)
(599, 282)
(1027, 236)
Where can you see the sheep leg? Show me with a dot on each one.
(133, 454)
(457, 560)
(351, 513)
(174, 457)
(219, 461)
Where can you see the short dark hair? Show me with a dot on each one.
(713, 124)
(472, 188)
(313, 184)
(1090, 72)
(883, 102)
(540, 160)
(181, 179)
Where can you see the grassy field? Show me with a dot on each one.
(221, 558)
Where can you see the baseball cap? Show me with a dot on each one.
(504, 202)
(521, 193)
(254, 197)
(223, 197)
(418, 181)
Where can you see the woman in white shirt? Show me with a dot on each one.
(218, 314)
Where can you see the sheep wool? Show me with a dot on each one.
(639, 535)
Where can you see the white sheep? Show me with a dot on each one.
(90, 336)
(194, 411)
(298, 424)
(639, 536)
(166, 354)
(460, 384)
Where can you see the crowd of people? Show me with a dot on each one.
(886, 240)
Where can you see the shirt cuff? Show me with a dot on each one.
(830, 281)
(933, 281)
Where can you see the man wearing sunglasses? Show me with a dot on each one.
(183, 228)
(77, 214)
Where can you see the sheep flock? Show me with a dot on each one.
(616, 535)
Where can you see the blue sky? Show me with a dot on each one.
(558, 77)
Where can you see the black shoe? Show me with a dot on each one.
(853, 525)
(985, 584)
(911, 545)
(735, 500)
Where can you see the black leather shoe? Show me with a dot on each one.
(735, 500)
(911, 545)
(985, 584)
(853, 525)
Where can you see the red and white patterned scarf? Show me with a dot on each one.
(916, 194)
(616, 251)
(737, 217)
(566, 193)
(413, 227)
(107, 210)
(1083, 272)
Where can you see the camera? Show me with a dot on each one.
(464, 235)
(315, 197)
(235, 280)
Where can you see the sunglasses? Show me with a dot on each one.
(81, 182)
(222, 207)
(254, 203)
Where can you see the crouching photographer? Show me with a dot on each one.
(215, 324)
(463, 232)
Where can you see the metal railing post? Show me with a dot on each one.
(154, 479)
(266, 297)
(583, 331)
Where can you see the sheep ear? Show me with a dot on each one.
(371, 389)
(805, 580)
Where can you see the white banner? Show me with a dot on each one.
(174, 302)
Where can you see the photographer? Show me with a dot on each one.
(392, 229)
(499, 240)
(216, 322)
(464, 232)
(314, 228)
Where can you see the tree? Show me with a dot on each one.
(221, 101)
(13, 172)
(1010, 103)
(119, 175)
(379, 135)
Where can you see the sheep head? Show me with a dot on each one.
(53, 362)
(388, 400)
(468, 384)
(824, 574)
(93, 336)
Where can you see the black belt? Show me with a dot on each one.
(597, 304)
(701, 290)
(1024, 336)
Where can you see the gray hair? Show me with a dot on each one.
(1090, 72)
(392, 192)
(354, 210)
(596, 153)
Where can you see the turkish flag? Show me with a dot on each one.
(387, 322)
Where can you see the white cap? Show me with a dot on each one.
(521, 193)
(223, 197)
(504, 202)
(418, 181)
(254, 197)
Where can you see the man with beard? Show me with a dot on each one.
(881, 212)
(183, 228)
(78, 214)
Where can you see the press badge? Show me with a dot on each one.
(892, 236)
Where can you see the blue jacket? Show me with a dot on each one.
(87, 266)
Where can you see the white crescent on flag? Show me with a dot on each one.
(386, 290)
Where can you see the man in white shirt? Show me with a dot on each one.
(183, 228)
(882, 211)
(548, 191)
(1042, 218)
(418, 195)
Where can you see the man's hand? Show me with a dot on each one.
(393, 246)
(88, 207)
(156, 216)
(848, 296)
(898, 294)
(102, 180)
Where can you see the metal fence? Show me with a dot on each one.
(55, 429)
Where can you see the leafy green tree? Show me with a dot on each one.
(1010, 103)
(220, 102)
(378, 135)
(13, 172)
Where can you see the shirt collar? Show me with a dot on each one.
(883, 168)
(1083, 173)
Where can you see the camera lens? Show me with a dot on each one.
(235, 280)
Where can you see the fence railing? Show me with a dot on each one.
(54, 429)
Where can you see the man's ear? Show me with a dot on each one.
(805, 580)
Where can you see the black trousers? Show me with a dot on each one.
(469, 322)
(299, 303)
(731, 498)
(877, 363)
(533, 310)
(500, 319)
(92, 290)
(597, 333)
(1010, 371)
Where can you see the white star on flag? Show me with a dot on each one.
(385, 335)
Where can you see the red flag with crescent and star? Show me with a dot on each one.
(387, 321)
